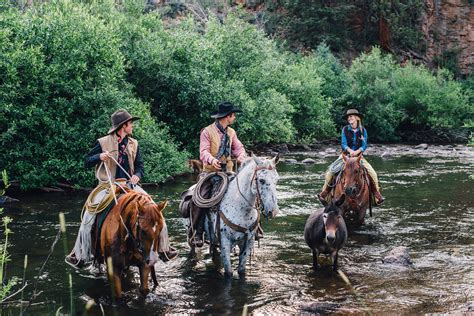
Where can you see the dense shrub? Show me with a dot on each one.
(62, 75)
(411, 97)
(184, 73)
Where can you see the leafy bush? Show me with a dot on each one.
(62, 75)
(395, 98)
(372, 93)
(185, 71)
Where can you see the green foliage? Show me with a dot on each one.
(62, 75)
(372, 93)
(5, 285)
(185, 71)
(66, 66)
(411, 97)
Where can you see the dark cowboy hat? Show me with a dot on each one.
(119, 118)
(224, 109)
(353, 112)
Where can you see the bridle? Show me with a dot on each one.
(136, 239)
(258, 201)
(257, 206)
(358, 186)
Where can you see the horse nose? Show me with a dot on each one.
(349, 190)
(331, 238)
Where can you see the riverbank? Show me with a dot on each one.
(303, 154)
(386, 151)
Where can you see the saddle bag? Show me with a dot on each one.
(186, 202)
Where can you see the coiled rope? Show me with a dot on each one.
(96, 208)
(202, 202)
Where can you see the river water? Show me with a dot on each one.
(429, 208)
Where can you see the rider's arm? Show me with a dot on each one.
(93, 157)
(344, 141)
(138, 167)
(205, 148)
(238, 149)
(363, 147)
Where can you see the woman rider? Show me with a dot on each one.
(353, 143)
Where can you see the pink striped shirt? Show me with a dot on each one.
(237, 149)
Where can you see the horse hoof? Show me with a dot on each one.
(242, 274)
(228, 274)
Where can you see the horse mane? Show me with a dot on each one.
(352, 162)
(141, 202)
(265, 162)
(244, 163)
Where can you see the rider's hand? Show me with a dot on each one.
(216, 164)
(134, 179)
(105, 156)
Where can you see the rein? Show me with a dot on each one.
(358, 184)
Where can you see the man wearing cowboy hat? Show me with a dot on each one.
(353, 143)
(117, 157)
(218, 144)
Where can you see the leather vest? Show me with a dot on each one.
(215, 138)
(110, 143)
(349, 137)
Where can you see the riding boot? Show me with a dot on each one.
(324, 193)
(168, 255)
(198, 238)
(379, 199)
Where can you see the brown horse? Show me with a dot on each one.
(130, 237)
(353, 181)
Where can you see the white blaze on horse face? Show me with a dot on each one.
(325, 218)
(154, 227)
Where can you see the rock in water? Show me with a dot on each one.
(398, 255)
(6, 199)
(421, 146)
(290, 161)
(309, 160)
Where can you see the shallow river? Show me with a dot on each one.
(429, 208)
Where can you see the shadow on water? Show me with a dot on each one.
(429, 208)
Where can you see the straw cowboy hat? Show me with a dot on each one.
(119, 118)
(353, 112)
(224, 109)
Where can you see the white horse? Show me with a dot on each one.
(254, 184)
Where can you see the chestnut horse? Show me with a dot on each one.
(353, 181)
(130, 237)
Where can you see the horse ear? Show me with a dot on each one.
(344, 157)
(359, 158)
(162, 205)
(276, 159)
(257, 160)
(341, 200)
(323, 201)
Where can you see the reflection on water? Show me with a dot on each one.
(429, 209)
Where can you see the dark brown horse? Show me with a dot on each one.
(353, 181)
(130, 237)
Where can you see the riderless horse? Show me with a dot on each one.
(130, 237)
(251, 191)
(353, 181)
(325, 231)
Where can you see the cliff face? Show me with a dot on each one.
(448, 28)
